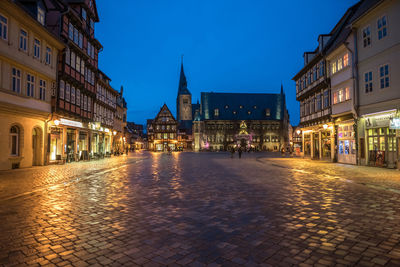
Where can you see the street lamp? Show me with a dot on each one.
(56, 122)
(325, 126)
(298, 132)
(115, 133)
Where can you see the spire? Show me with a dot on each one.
(182, 89)
(282, 89)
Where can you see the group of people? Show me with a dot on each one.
(240, 151)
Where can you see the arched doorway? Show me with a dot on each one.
(36, 146)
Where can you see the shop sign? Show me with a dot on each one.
(378, 121)
(394, 123)
(71, 123)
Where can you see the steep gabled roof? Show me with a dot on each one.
(242, 106)
(164, 113)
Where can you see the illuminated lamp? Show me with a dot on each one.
(298, 131)
(56, 122)
(115, 132)
(325, 126)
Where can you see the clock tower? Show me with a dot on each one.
(184, 99)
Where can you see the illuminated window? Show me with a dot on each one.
(240, 106)
(340, 96)
(366, 34)
(335, 97)
(70, 31)
(40, 15)
(345, 60)
(216, 112)
(267, 112)
(67, 92)
(333, 67)
(382, 31)
(340, 64)
(249, 112)
(384, 76)
(347, 93)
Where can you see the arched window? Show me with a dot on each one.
(14, 136)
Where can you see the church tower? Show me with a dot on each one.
(184, 99)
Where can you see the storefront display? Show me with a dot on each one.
(307, 145)
(56, 143)
(382, 146)
(326, 144)
(346, 144)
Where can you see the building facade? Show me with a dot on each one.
(162, 132)
(378, 63)
(28, 72)
(250, 121)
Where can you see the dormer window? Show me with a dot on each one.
(267, 112)
(240, 106)
(216, 112)
(40, 15)
(249, 112)
(234, 112)
(255, 107)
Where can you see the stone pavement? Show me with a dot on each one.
(198, 209)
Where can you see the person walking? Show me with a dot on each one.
(232, 152)
(240, 152)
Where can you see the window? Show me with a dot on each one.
(14, 134)
(384, 76)
(72, 95)
(70, 31)
(91, 24)
(366, 33)
(185, 101)
(62, 88)
(23, 37)
(16, 80)
(73, 60)
(326, 99)
(333, 67)
(80, 42)
(89, 46)
(84, 15)
(78, 64)
(3, 27)
(82, 67)
(309, 77)
(67, 56)
(85, 102)
(36, 51)
(340, 96)
(40, 15)
(347, 93)
(315, 73)
(267, 112)
(368, 81)
(30, 85)
(340, 64)
(76, 36)
(321, 69)
(67, 92)
(42, 90)
(382, 31)
(89, 104)
(48, 55)
(319, 102)
(216, 112)
(312, 104)
(345, 60)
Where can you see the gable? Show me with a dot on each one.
(164, 115)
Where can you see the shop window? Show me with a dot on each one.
(14, 138)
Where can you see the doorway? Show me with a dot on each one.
(36, 146)
(316, 145)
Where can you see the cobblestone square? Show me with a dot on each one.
(200, 209)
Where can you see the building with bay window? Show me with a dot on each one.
(73, 22)
(28, 72)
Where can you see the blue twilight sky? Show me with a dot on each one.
(228, 46)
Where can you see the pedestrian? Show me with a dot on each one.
(232, 152)
(240, 152)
